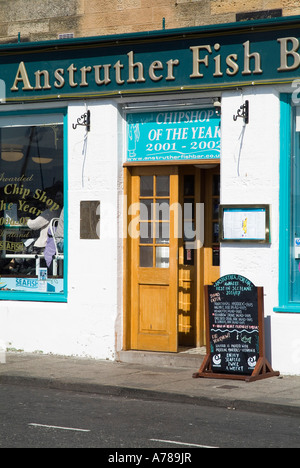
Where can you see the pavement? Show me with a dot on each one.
(276, 395)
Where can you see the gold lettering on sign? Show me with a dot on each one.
(252, 61)
(288, 48)
(217, 60)
(60, 81)
(132, 66)
(45, 75)
(247, 57)
(233, 67)
(72, 69)
(157, 65)
(207, 59)
(22, 76)
(171, 63)
(106, 79)
(197, 60)
(118, 67)
(84, 71)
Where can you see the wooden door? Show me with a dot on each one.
(154, 258)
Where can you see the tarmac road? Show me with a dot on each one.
(38, 417)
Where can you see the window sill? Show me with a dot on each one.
(288, 309)
(32, 296)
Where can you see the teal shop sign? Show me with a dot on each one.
(173, 135)
(201, 58)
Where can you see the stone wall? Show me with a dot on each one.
(43, 20)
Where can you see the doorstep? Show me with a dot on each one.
(190, 358)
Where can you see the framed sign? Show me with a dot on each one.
(235, 343)
(190, 134)
(244, 223)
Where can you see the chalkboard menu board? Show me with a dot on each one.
(235, 342)
(233, 325)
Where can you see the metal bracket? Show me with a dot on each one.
(84, 120)
(243, 112)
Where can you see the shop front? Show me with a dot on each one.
(173, 193)
(137, 169)
(32, 201)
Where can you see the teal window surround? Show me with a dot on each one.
(285, 210)
(44, 296)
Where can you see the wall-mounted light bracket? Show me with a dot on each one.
(217, 106)
(84, 120)
(243, 112)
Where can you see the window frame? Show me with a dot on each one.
(45, 296)
(287, 130)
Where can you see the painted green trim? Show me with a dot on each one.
(289, 309)
(32, 297)
(66, 208)
(284, 197)
(286, 135)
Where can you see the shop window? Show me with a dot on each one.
(294, 265)
(289, 207)
(32, 188)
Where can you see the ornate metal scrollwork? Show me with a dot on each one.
(84, 120)
(243, 112)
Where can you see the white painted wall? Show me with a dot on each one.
(250, 175)
(86, 325)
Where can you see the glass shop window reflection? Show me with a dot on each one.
(31, 208)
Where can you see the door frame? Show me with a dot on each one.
(127, 252)
(196, 272)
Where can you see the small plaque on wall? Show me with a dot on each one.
(90, 219)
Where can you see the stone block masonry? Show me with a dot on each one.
(38, 20)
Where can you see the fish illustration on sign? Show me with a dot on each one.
(244, 339)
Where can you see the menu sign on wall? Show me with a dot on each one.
(235, 345)
(244, 223)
